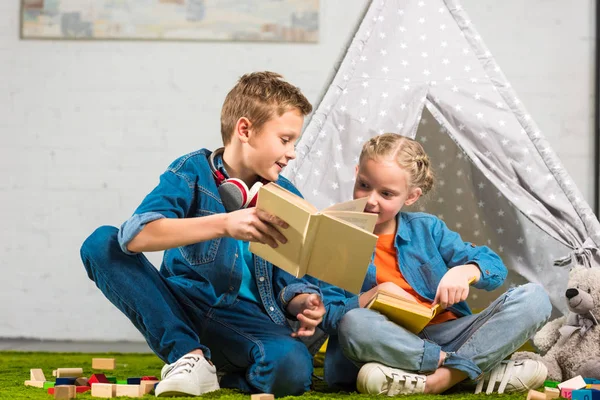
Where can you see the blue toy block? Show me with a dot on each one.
(585, 394)
(133, 381)
(592, 381)
(64, 381)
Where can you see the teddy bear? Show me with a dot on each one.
(571, 343)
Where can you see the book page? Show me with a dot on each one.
(361, 220)
(291, 209)
(341, 253)
(357, 205)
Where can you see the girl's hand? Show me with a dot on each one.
(454, 286)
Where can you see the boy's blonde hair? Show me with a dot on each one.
(408, 153)
(259, 96)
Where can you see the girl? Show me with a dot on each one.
(419, 257)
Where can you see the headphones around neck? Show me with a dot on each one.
(234, 193)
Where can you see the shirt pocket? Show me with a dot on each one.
(432, 272)
(202, 252)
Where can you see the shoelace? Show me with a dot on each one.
(181, 365)
(505, 371)
(400, 383)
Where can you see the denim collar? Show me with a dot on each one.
(220, 166)
(403, 231)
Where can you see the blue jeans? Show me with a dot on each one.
(253, 353)
(475, 343)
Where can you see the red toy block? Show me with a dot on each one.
(149, 378)
(97, 378)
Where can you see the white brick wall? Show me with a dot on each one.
(87, 127)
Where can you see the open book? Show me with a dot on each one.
(405, 312)
(334, 245)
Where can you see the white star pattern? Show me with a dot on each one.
(371, 96)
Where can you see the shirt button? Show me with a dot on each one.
(271, 308)
(262, 279)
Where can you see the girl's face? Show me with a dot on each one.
(385, 184)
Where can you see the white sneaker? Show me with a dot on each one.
(375, 378)
(514, 376)
(191, 375)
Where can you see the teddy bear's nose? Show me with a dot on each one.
(571, 293)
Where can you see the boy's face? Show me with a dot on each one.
(270, 149)
(385, 184)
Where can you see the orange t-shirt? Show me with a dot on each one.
(386, 264)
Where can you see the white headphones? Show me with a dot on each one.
(234, 193)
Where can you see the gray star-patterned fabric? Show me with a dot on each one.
(419, 68)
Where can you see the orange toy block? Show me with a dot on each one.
(105, 390)
(68, 372)
(147, 386)
(128, 390)
(535, 395)
(36, 374)
(262, 396)
(103, 363)
(39, 384)
(63, 392)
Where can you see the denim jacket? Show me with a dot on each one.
(427, 249)
(209, 271)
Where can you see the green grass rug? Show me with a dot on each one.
(15, 366)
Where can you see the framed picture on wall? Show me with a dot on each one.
(214, 20)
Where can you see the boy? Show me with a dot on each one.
(213, 303)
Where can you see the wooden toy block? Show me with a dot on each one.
(149, 378)
(63, 392)
(103, 363)
(593, 386)
(585, 394)
(98, 378)
(551, 384)
(105, 390)
(48, 385)
(39, 384)
(36, 374)
(133, 381)
(65, 381)
(128, 390)
(147, 386)
(551, 393)
(68, 372)
(573, 383)
(82, 381)
(121, 382)
(565, 393)
(535, 395)
(112, 379)
(262, 396)
(592, 381)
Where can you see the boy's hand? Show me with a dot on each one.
(255, 225)
(454, 286)
(309, 310)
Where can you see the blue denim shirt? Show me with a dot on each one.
(427, 249)
(209, 271)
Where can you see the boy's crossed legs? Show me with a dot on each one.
(255, 354)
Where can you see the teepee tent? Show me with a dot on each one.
(420, 69)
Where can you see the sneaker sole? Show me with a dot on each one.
(172, 392)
